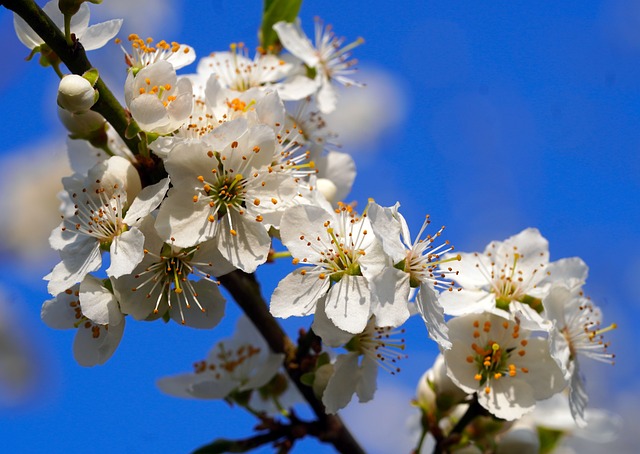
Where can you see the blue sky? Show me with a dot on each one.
(501, 116)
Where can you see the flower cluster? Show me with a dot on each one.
(236, 155)
(521, 323)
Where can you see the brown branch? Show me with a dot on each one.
(246, 291)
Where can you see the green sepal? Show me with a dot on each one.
(353, 345)
(534, 303)
(92, 76)
(335, 277)
(549, 439)
(132, 130)
(308, 378)
(311, 72)
(166, 317)
(276, 11)
(322, 360)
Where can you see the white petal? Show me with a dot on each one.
(211, 301)
(78, 260)
(367, 384)
(248, 247)
(348, 304)
(508, 399)
(295, 41)
(57, 313)
(296, 88)
(327, 97)
(265, 373)
(433, 316)
(98, 304)
(388, 230)
(391, 290)
(98, 35)
(183, 221)
(127, 251)
(578, 397)
(297, 294)
(147, 200)
(182, 57)
(178, 385)
(342, 385)
(91, 351)
(328, 332)
(463, 301)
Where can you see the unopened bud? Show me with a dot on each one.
(76, 94)
(82, 124)
(327, 188)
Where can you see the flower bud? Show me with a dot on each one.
(327, 188)
(76, 94)
(82, 124)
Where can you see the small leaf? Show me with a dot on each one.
(276, 11)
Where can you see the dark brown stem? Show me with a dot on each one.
(75, 58)
(246, 291)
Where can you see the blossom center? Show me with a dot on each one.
(495, 360)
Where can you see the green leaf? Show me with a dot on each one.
(276, 11)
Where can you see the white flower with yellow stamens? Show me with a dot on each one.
(500, 361)
(145, 52)
(227, 190)
(236, 71)
(413, 265)
(326, 62)
(343, 257)
(174, 282)
(159, 102)
(241, 363)
(102, 212)
(356, 371)
(512, 275)
(94, 311)
(576, 332)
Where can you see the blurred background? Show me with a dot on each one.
(490, 116)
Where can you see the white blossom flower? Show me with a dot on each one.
(92, 37)
(226, 190)
(413, 265)
(241, 363)
(159, 102)
(576, 332)
(145, 52)
(102, 212)
(356, 371)
(174, 281)
(94, 311)
(343, 256)
(326, 61)
(508, 368)
(236, 71)
(512, 275)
